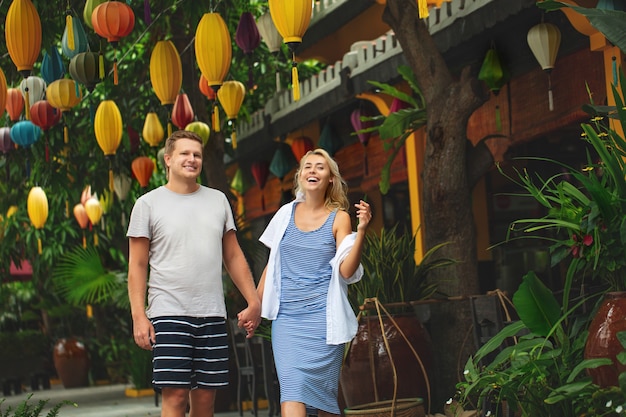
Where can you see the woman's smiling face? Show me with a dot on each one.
(315, 173)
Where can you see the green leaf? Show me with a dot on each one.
(536, 305)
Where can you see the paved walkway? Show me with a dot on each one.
(98, 401)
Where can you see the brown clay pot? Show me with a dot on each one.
(71, 362)
(602, 341)
(367, 363)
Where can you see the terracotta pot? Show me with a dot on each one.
(602, 341)
(71, 362)
(367, 359)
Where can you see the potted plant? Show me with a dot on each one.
(394, 278)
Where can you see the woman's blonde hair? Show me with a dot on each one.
(337, 192)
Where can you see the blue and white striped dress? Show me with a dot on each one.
(308, 368)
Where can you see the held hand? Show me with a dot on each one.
(249, 319)
(364, 214)
(143, 332)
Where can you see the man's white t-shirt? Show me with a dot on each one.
(185, 233)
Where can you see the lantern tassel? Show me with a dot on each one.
(67, 209)
(216, 118)
(66, 133)
(27, 103)
(234, 138)
(89, 311)
(84, 241)
(95, 238)
(101, 65)
(277, 81)
(294, 81)
(111, 183)
(550, 97)
(422, 6)
(70, 31)
(614, 69)
(39, 246)
(115, 79)
(169, 128)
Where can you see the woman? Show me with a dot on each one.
(314, 255)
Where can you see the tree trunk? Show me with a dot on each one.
(447, 185)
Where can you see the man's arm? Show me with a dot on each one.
(239, 271)
(143, 332)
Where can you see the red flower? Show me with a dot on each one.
(587, 240)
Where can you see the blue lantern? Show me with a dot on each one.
(81, 44)
(52, 67)
(25, 133)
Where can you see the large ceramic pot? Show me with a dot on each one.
(602, 341)
(71, 362)
(367, 365)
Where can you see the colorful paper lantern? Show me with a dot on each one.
(75, 41)
(205, 88)
(121, 186)
(94, 212)
(142, 168)
(492, 72)
(182, 112)
(329, 140)
(231, 96)
(6, 144)
(64, 94)
(108, 129)
(544, 40)
(43, 115)
(25, 133)
(260, 171)
(272, 39)
(33, 89)
(37, 207)
(300, 146)
(90, 5)
(14, 103)
(113, 20)
(282, 161)
(83, 220)
(248, 38)
(292, 19)
(84, 69)
(22, 32)
(52, 67)
(201, 129)
(166, 72)
(153, 132)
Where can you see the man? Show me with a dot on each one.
(183, 232)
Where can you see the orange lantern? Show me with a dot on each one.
(37, 206)
(3, 92)
(22, 32)
(153, 132)
(213, 53)
(206, 89)
(231, 97)
(142, 168)
(113, 20)
(64, 94)
(108, 129)
(300, 146)
(15, 103)
(182, 113)
(291, 19)
(81, 217)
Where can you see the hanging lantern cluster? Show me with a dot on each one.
(231, 96)
(292, 19)
(166, 75)
(213, 50)
(113, 20)
(544, 40)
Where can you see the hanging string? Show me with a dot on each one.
(614, 69)
(26, 102)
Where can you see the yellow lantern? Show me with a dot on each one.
(153, 132)
(292, 18)
(64, 94)
(166, 72)
(94, 213)
(22, 32)
(213, 53)
(108, 129)
(231, 97)
(37, 206)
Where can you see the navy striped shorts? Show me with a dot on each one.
(190, 352)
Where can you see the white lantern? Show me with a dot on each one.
(544, 40)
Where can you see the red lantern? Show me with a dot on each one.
(300, 146)
(133, 138)
(142, 168)
(45, 116)
(182, 112)
(15, 103)
(113, 20)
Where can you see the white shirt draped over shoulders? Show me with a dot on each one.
(341, 323)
